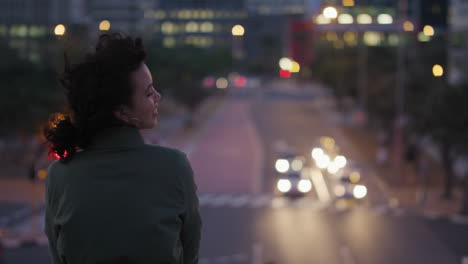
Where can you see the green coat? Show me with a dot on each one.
(121, 199)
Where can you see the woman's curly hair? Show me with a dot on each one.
(94, 89)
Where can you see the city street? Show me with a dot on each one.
(246, 221)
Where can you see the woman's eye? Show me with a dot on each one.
(150, 94)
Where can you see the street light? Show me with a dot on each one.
(104, 25)
(437, 70)
(295, 67)
(348, 2)
(428, 31)
(238, 30)
(330, 12)
(60, 30)
(408, 26)
(285, 64)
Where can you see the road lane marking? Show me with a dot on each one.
(261, 201)
(346, 255)
(320, 185)
(222, 199)
(205, 198)
(240, 201)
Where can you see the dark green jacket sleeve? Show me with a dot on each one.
(49, 218)
(191, 227)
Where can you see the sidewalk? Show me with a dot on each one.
(408, 188)
(405, 190)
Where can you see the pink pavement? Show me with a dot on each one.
(20, 190)
(227, 155)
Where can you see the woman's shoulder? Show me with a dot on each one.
(170, 153)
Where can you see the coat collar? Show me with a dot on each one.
(116, 137)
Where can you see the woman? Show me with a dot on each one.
(111, 198)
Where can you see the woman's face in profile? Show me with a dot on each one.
(144, 109)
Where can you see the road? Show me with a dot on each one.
(245, 222)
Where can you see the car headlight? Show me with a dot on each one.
(282, 165)
(284, 185)
(317, 153)
(340, 161)
(297, 165)
(323, 161)
(304, 186)
(333, 168)
(339, 190)
(359, 191)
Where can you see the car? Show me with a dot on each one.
(292, 177)
(348, 185)
(293, 183)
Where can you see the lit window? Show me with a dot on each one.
(393, 40)
(321, 19)
(345, 19)
(203, 14)
(191, 27)
(169, 42)
(22, 31)
(372, 38)
(160, 15)
(364, 19)
(348, 2)
(168, 28)
(338, 44)
(183, 14)
(350, 38)
(331, 36)
(3, 30)
(206, 27)
(34, 31)
(209, 14)
(385, 19)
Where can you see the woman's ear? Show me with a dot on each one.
(122, 113)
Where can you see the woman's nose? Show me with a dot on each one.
(157, 96)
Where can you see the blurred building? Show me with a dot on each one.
(277, 7)
(201, 23)
(122, 15)
(458, 49)
(28, 25)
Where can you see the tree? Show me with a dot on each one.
(446, 123)
(29, 93)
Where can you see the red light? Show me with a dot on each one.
(285, 74)
(209, 82)
(240, 81)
